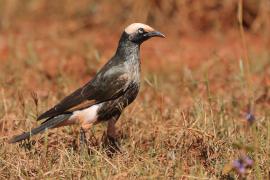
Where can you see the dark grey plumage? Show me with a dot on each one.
(119, 75)
(113, 88)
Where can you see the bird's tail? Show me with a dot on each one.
(50, 123)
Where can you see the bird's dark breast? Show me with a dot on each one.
(114, 107)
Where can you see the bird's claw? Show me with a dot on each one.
(112, 145)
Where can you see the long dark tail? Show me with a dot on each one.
(50, 123)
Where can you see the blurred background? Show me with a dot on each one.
(181, 16)
(68, 33)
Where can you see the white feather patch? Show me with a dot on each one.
(88, 115)
(135, 26)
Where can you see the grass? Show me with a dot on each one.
(188, 121)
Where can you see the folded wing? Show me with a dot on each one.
(108, 84)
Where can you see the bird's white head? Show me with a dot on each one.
(132, 28)
(139, 32)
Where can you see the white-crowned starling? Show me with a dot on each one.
(104, 97)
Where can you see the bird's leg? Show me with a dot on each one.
(111, 139)
(82, 137)
(84, 127)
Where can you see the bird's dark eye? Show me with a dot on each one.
(140, 30)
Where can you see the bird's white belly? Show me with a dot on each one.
(88, 115)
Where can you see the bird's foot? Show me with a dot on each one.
(112, 145)
(27, 144)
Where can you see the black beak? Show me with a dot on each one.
(154, 34)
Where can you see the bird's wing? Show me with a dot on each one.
(108, 84)
(68, 104)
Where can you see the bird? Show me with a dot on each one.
(106, 95)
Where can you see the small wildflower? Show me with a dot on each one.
(248, 161)
(242, 164)
(238, 166)
(250, 117)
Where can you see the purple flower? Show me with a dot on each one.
(238, 166)
(248, 161)
(250, 117)
(242, 164)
